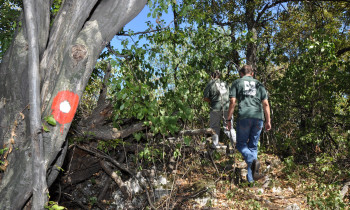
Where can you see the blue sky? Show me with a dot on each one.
(138, 24)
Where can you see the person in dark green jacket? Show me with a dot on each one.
(252, 105)
(216, 94)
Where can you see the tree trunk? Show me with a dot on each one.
(39, 185)
(252, 33)
(68, 50)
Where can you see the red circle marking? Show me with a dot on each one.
(62, 96)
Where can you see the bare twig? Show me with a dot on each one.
(212, 161)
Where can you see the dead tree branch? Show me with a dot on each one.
(106, 133)
(122, 186)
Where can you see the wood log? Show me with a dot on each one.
(106, 133)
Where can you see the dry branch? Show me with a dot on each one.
(197, 132)
(106, 133)
(344, 190)
(122, 186)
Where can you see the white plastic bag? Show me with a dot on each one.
(231, 134)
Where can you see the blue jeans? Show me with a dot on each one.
(248, 133)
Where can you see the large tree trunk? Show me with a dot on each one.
(68, 52)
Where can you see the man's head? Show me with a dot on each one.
(246, 70)
(215, 74)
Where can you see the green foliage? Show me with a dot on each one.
(2, 151)
(150, 154)
(289, 165)
(187, 140)
(54, 206)
(253, 204)
(50, 120)
(144, 93)
(311, 89)
(93, 200)
(45, 128)
(55, 7)
(108, 145)
(325, 197)
(9, 13)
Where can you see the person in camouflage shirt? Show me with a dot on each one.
(216, 94)
(252, 105)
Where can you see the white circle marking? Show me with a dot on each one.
(65, 106)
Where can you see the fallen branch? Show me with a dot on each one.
(106, 133)
(197, 132)
(122, 186)
(344, 190)
(191, 196)
(196, 194)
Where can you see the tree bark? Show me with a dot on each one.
(39, 185)
(68, 50)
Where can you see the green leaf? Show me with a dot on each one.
(45, 128)
(137, 136)
(57, 207)
(50, 120)
(187, 140)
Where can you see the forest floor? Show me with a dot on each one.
(215, 184)
(202, 178)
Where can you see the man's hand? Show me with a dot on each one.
(228, 125)
(267, 126)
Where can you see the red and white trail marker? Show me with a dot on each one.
(64, 106)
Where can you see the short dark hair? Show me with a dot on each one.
(216, 74)
(246, 69)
